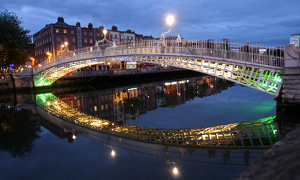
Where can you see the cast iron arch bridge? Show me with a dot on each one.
(254, 66)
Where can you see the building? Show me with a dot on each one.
(60, 37)
(57, 38)
(295, 39)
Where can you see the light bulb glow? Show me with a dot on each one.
(170, 20)
(104, 31)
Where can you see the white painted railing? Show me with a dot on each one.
(271, 56)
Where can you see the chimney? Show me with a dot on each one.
(78, 24)
(90, 26)
(60, 20)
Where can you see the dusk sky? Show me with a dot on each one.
(265, 22)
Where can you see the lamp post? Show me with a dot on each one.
(104, 39)
(49, 54)
(170, 21)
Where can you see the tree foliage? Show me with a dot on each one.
(15, 42)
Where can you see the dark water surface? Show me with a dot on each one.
(37, 149)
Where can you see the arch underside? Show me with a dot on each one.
(263, 78)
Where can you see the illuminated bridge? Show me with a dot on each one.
(250, 65)
(257, 134)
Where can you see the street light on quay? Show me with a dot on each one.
(49, 54)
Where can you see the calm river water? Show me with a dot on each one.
(33, 147)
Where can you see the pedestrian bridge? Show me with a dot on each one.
(254, 66)
(257, 134)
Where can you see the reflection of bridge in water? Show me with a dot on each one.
(236, 143)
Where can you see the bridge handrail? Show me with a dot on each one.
(244, 52)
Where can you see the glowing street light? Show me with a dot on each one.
(49, 54)
(170, 21)
(104, 39)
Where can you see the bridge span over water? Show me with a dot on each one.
(250, 65)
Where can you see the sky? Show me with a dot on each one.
(264, 22)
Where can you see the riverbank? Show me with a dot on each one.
(281, 161)
(101, 81)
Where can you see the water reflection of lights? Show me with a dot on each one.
(74, 136)
(113, 153)
(175, 170)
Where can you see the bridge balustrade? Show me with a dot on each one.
(255, 54)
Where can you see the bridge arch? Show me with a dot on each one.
(253, 70)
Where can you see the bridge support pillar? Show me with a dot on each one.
(288, 105)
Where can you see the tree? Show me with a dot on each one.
(15, 43)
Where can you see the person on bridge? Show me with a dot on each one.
(247, 50)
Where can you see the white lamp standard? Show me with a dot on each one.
(170, 20)
(104, 39)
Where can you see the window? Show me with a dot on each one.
(73, 39)
(84, 33)
(65, 39)
(131, 38)
(106, 106)
(91, 40)
(95, 108)
(73, 48)
(85, 40)
(97, 34)
(65, 31)
(90, 33)
(57, 38)
(116, 36)
(127, 37)
(72, 31)
(102, 107)
(57, 30)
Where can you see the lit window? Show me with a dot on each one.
(102, 107)
(57, 30)
(65, 31)
(106, 106)
(95, 108)
(91, 40)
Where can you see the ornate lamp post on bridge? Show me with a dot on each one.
(170, 20)
(104, 39)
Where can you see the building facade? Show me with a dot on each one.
(57, 38)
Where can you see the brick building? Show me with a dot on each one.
(56, 38)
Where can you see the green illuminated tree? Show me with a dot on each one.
(15, 43)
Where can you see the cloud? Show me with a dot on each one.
(254, 21)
